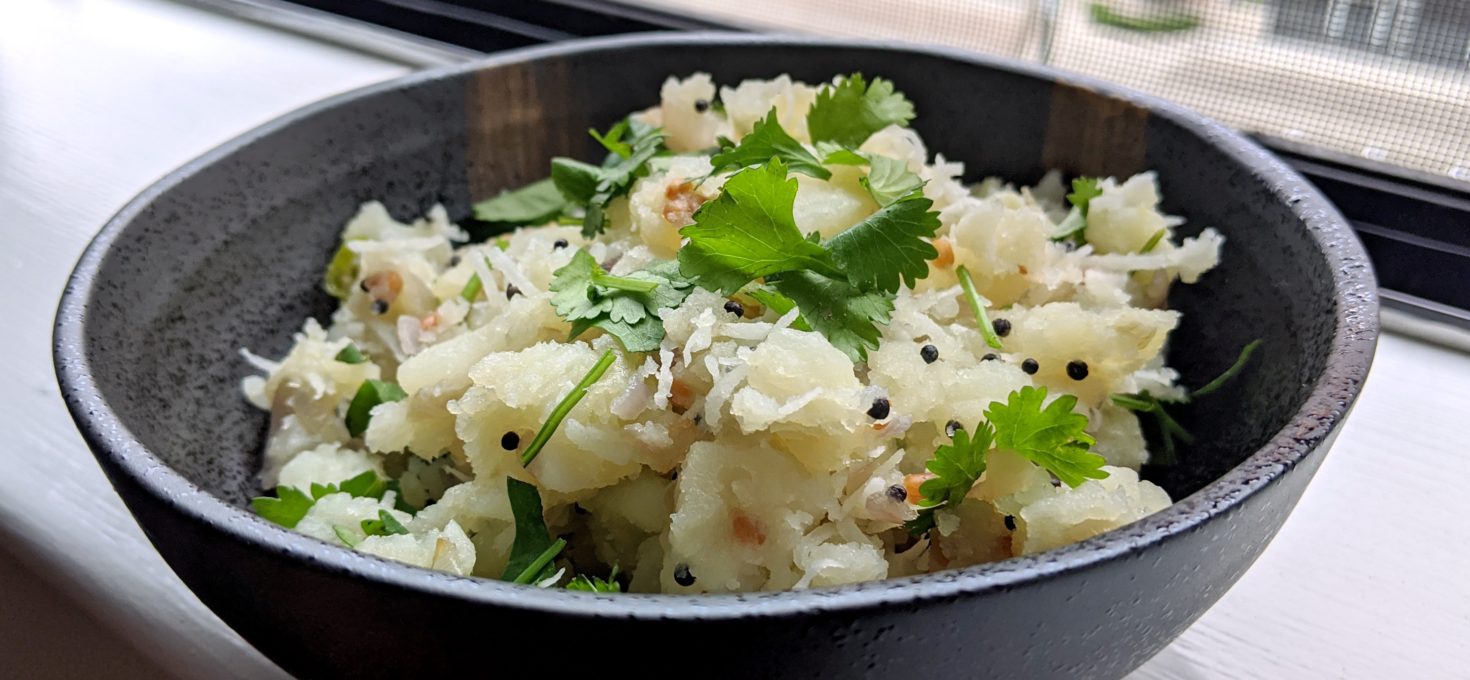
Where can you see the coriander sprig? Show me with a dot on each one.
(291, 504)
(850, 111)
(1144, 403)
(956, 467)
(1074, 226)
(625, 307)
(978, 303)
(532, 550)
(844, 287)
(565, 406)
(1050, 435)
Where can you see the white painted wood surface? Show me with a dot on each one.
(1369, 579)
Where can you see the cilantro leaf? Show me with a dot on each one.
(851, 111)
(291, 504)
(345, 535)
(574, 179)
(595, 187)
(370, 394)
(1084, 189)
(777, 303)
(536, 203)
(957, 467)
(350, 355)
(593, 584)
(1049, 435)
(748, 232)
(365, 485)
(624, 306)
(1074, 226)
(847, 316)
(766, 141)
(385, 525)
(889, 245)
(613, 140)
(529, 550)
(889, 179)
(286, 509)
(833, 153)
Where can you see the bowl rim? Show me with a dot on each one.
(1310, 427)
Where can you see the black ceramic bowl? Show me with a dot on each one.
(228, 251)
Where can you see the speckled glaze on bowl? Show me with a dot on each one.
(228, 251)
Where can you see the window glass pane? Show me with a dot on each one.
(1383, 80)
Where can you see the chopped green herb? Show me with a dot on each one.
(977, 303)
(1049, 435)
(889, 245)
(532, 541)
(565, 406)
(1084, 189)
(843, 288)
(613, 140)
(350, 355)
(593, 584)
(846, 315)
(1153, 241)
(291, 504)
(1235, 368)
(957, 466)
(1169, 429)
(370, 394)
(748, 232)
(365, 485)
(851, 111)
(385, 525)
(594, 187)
(626, 307)
(833, 153)
(1074, 226)
(473, 287)
(345, 535)
(286, 509)
(890, 179)
(777, 303)
(534, 204)
(766, 141)
(341, 273)
(1071, 227)
(540, 568)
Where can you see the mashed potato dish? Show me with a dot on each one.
(771, 340)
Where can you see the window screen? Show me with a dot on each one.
(1387, 80)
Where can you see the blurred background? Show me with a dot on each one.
(1369, 99)
(1382, 81)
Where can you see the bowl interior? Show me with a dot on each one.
(228, 253)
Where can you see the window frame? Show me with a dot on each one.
(1415, 227)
